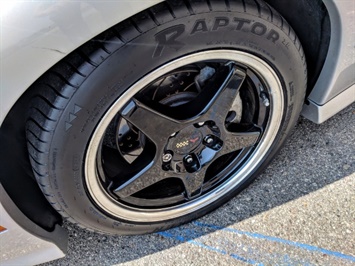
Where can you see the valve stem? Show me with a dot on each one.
(264, 99)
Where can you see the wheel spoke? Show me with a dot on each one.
(234, 141)
(193, 183)
(222, 101)
(148, 176)
(215, 99)
(156, 126)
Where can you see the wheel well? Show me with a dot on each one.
(309, 19)
(16, 173)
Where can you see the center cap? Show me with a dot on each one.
(186, 140)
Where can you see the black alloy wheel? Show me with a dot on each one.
(183, 136)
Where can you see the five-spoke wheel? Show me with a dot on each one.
(183, 133)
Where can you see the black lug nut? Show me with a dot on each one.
(191, 163)
(213, 142)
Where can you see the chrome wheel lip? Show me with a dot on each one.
(133, 214)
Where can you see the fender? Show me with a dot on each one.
(35, 36)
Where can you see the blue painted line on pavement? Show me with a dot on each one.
(279, 240)
(197, 243)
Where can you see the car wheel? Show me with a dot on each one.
(166, 116)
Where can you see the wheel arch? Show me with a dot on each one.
(310, 20)
(41, 46)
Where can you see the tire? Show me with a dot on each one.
(167, 115)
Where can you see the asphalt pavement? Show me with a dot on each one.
(300, 211)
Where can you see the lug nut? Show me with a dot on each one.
(192, 163)
(208, 140)
(167, 157)
(201, 124)
(189, 159)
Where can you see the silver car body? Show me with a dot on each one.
(36, 35)
(23, 242)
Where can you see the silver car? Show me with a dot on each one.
(131, 117)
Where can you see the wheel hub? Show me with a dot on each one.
(192, 148)
(186, 141)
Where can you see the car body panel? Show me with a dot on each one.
(35, 36)
(319, 114)
(338, 72)
(335, 89)
(22, 241)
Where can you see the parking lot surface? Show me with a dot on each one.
(300, 211)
